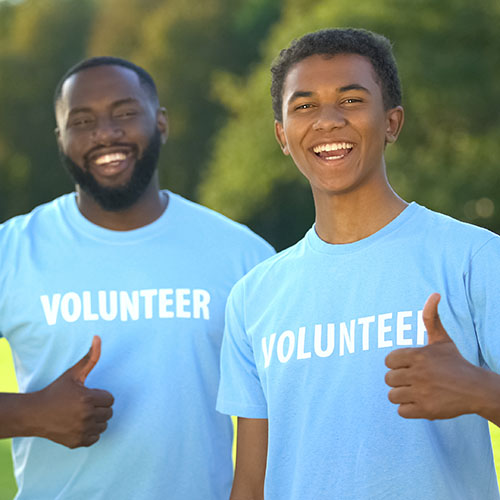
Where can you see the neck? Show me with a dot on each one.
(149, 207)
(350, 217)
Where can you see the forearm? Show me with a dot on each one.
(246, 490)
(251, 458)
(17, 413)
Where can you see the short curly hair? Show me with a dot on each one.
(330, 42)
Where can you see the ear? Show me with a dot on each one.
(280, 137)
(162, 123)
(394, 119)
(57, 133)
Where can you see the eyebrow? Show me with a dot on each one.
(298, 94)
(305, 93)
(115, 104)
(128, 100)
(354, 86)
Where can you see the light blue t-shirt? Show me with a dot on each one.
(156, 296)
(307, 332)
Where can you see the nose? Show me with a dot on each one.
(106, 132)
(329, 117)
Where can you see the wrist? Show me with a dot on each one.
(17, 415)
(488, 396)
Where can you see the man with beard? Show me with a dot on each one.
(141, 271)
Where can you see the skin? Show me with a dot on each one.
(66, 411)
(102, 110)
(251, 453)
(337, 100)
(436, 381)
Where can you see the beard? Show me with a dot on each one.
(118, 198)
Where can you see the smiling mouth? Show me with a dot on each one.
(333, 150)
(109, 158)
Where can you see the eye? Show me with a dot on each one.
(351, 100)
(81, 122)
(125, 114)
(303, 106)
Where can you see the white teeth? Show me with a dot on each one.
(109, 158)
(334, 146)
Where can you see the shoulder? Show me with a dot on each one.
(450, 231)
(445, 242)
(214, 226)
(276, 269)
(33, 223)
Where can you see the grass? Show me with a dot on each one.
(8, 384)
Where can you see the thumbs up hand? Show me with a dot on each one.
(434, 381)
(69, 413)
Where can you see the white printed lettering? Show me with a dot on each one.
(402, 327)
(71, 307)
(280, 349)
(347, 337)
(421, 330)
(148, 302)
(165, 302)
(129, 306)
(181, 302)
(201, 299)
(330, 340)
(268, 351)
(301, 354)
(51, 308)
(383, 329)
(88, 315)
(365, 333)
(103, 305)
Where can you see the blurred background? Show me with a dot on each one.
(210, 60)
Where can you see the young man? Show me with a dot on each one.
(310, 331)
(139, 269)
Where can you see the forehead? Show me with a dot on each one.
(101, 85)
(319, 71)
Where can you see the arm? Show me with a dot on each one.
(65, 411)
(251, 458)
(436, 381)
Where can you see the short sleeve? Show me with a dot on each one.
(240, 389)
(483, 283)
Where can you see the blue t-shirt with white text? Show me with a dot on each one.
(156, 296)
(307, 333)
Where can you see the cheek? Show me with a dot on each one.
(293, 136)
(374, 133)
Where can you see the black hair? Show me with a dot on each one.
(330, 42)
(145, 78)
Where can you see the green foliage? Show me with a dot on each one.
(183, 45)
(204, 60)
(446, 158)
(43, 38)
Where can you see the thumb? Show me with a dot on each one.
(435, 329)
(80, 370)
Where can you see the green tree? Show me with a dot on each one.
(183, 44)
(446, 158)
(41, 40)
